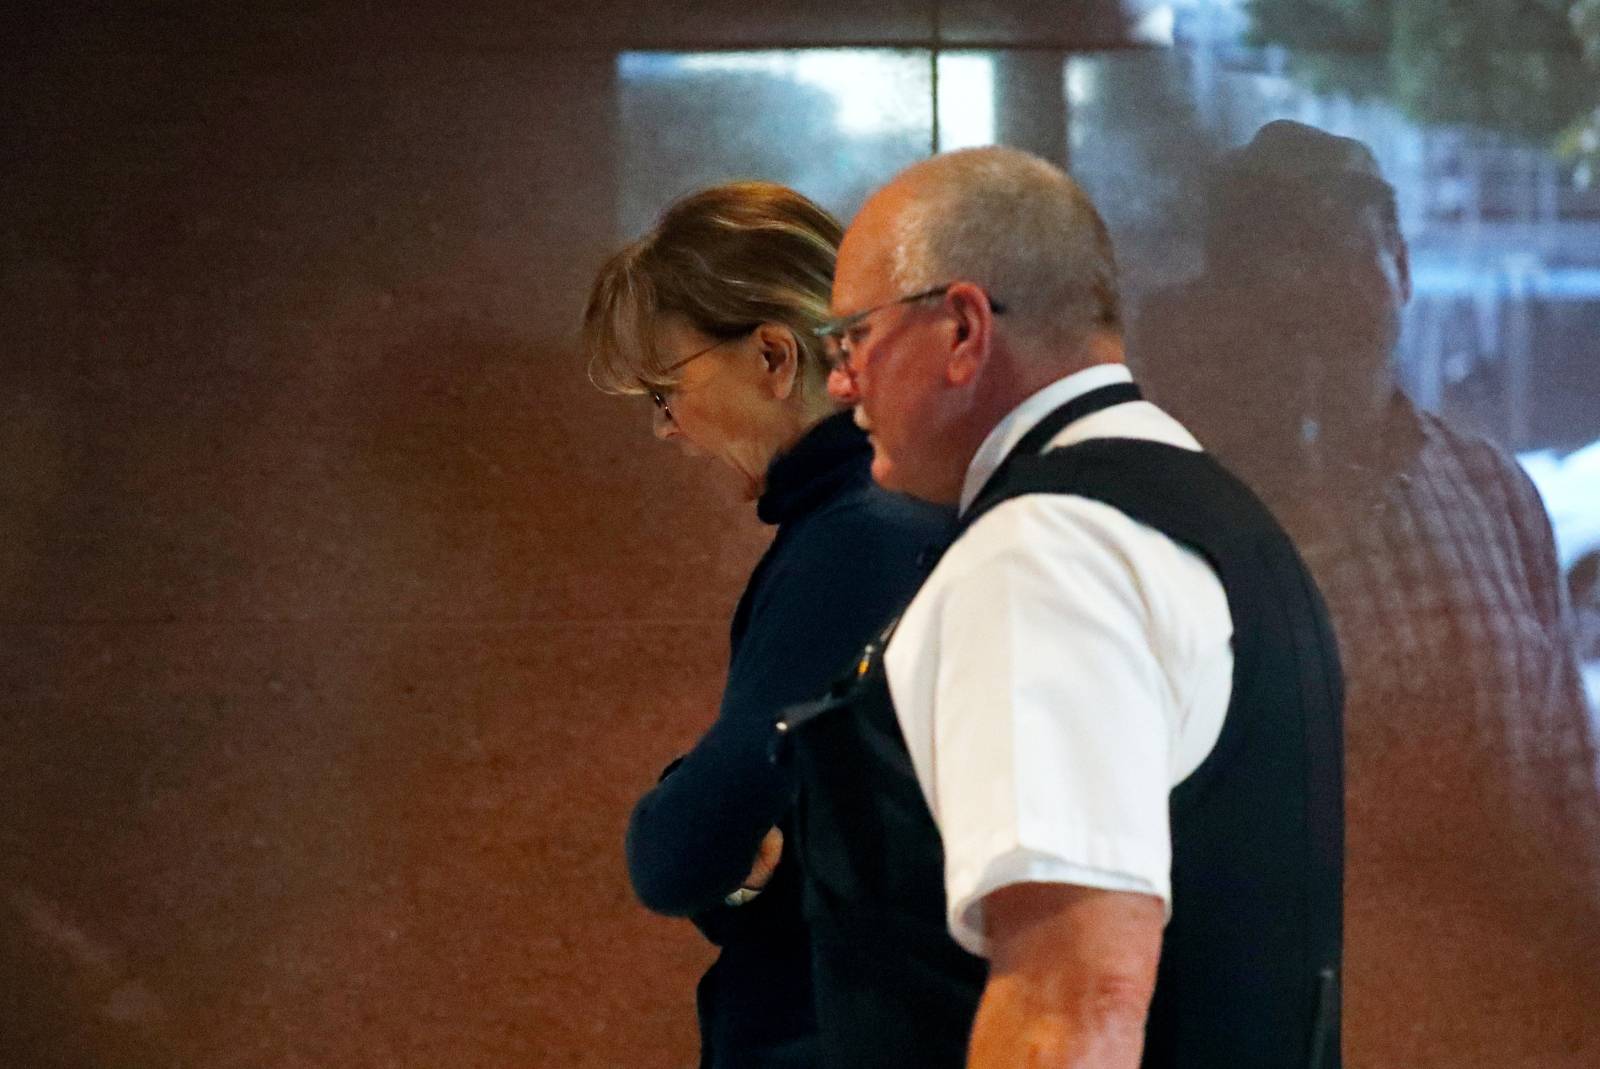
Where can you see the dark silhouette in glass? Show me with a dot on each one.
(1472, 883)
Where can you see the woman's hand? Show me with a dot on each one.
(767, 855)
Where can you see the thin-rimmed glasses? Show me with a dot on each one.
(836, 333)
(659, 396)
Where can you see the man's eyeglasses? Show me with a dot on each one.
(659, 395)
(836, 333)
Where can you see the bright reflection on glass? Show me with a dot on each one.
(1083, 83)
(966, 100)
(872, 91)
(1152, 22)
(832, 123)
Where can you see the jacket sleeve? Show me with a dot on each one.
(828, 588)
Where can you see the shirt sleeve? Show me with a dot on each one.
(1542, 570)
(824, 593)
(1555, 731)
(1054, 717)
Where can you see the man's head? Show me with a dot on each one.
(1304, 220)
(1026, 293)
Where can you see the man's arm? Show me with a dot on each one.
(1071, 972)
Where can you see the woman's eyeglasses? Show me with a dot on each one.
(659, 394)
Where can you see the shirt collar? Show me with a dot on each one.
(1022, 419)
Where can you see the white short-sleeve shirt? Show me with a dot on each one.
(1060, 671)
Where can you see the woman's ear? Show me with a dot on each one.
(780, 352)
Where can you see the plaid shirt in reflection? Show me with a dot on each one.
(1440, 573)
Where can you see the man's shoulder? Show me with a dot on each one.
(1476, 459)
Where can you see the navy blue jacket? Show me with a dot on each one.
(846, 558)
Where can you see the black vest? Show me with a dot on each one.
(1248, 976)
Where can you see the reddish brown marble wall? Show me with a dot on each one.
(342, 619)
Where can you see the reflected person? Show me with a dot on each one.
(1471, 832)
(711, 315)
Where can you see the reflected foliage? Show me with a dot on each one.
(1527, 69)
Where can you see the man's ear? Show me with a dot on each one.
(780, 353)
(971, 332)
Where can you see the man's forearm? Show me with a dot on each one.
(1019, 1026)
(1071, 974)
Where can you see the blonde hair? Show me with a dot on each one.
(728, 259)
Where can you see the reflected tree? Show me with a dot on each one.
(1583, 140)
(1527, 69)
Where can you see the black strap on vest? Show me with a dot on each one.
(1035, 441)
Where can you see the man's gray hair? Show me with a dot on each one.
(1017, 226)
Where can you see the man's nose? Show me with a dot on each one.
(842, 386)
(661, 424)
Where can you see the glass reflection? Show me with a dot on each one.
(1431, 545)
(966, 100)
(1469, 748)
(832, 123)
(1502, 234)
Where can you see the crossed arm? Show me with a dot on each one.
(1071, 972)
(820, 595)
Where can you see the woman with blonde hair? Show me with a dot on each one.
(712, 316)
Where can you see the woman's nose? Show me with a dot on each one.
(661, 424)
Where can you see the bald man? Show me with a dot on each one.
(1082, 805)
